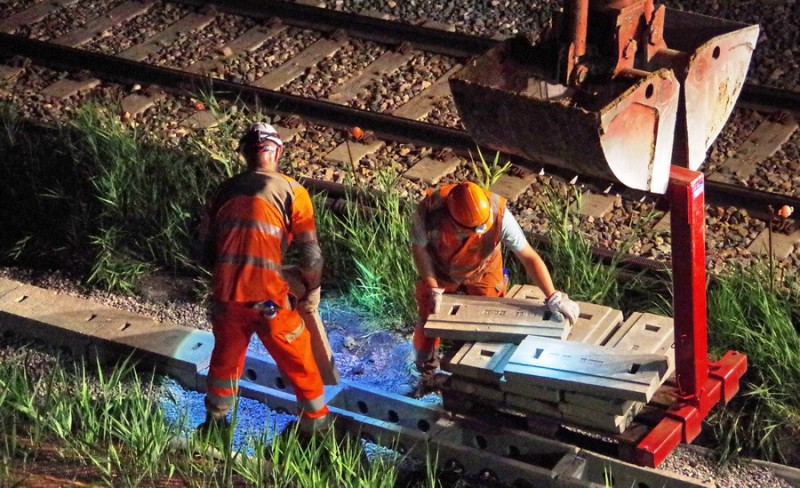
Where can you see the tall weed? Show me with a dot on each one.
(746, 315)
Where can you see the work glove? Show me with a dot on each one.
(309, 303)
(562, 307)
(435, 297)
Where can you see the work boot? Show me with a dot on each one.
(214, 427)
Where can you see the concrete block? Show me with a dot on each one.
(66, 87)
(595, 323)
(176, 350)
(108, 20)
(531, 390)
(358, 150)
(526, 292)
(586, 368)
(483, 361)
(644, 333)
(387, 62)
(615, 406)
(251, 40)
(782, 244)
(32, 14)
(591, 418)
(420, 106)
(9, 72)
(431, 170)
(511, 186)
(597, 205)
(203, 119)
(298, 64)
(136, 103)
(63, 320)
(469, 318)
(529, 405)
(154, 44)
(482, 390)
(7, 286)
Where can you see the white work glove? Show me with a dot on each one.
(435, 297)
(562, 307)
(309, 303)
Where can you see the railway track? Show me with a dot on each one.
(156, 58)
(150, 46)
(490, 448)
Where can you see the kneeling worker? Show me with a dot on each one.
(457, 235)
(251, 221)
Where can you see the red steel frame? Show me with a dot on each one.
(701, 384)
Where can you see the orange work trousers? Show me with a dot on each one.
(285, 338)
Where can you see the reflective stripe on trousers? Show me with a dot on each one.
(285, 338)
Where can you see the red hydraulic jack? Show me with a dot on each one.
(701, 384)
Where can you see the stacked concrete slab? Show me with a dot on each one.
(599, 374)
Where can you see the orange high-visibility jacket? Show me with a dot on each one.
(457, 259)
(254, 218)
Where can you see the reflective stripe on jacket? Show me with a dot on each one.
(255, 217)
(460, 255)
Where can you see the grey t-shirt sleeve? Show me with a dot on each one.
(511, 234)
(418, 235)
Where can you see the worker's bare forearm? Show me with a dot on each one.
(536, 269)
(311, 263)
(424, 263)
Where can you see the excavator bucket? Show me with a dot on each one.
(712, 79)
(618, 131)
(628, 123)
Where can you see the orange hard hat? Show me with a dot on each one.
(469, 206)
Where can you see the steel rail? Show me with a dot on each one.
(753, 96)
(396, 128)
(362, 26)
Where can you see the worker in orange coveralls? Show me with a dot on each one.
(252, 220)
(456, 237)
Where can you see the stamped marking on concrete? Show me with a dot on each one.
(430, 171)
(782, 244)
(66, 87)
(586, 368)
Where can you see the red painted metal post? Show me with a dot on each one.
(686, 192)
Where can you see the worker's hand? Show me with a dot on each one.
(309, 303)
(559, 304)
(435, 297)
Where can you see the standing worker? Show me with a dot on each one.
(252, 220)
(456, 237)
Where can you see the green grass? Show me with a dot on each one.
(370, 246)
(100, 198)
(746, 314)
(110, 420)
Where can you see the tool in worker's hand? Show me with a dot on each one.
(320, 345)
(436, 299)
